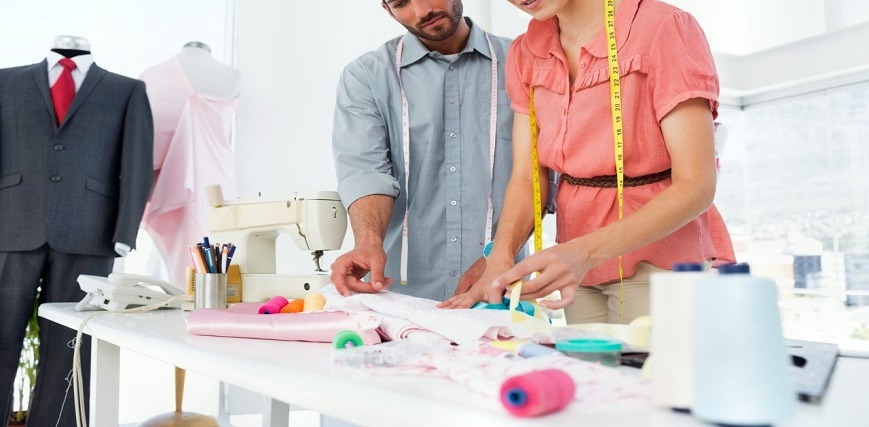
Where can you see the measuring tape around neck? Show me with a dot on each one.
(405, 140)
(618, 133)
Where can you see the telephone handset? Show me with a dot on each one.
(120, 291)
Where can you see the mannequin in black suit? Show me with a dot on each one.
(71, 195)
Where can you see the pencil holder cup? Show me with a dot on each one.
(209, 290)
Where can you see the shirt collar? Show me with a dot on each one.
(542, 36)
(82, 62)
(414, 49)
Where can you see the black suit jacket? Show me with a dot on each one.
(80, 186)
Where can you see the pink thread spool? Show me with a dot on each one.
(537, 393)
(273, 305)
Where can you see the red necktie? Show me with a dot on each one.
(63, 90)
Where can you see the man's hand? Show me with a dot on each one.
(349, 269)
(482, 290)
(471, 276)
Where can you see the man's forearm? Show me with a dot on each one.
(369, 217)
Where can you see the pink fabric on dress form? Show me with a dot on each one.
(192, 150)
(242, 321)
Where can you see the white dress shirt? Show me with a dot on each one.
(83, 64)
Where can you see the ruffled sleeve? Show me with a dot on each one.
(683, 67)
(517, 89)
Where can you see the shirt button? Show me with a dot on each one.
(453, 273)
(452, 100)
(452, 134)
(454, 239)
(452, 67)
(58, 147)
(56, 178)
(453, 203)
(582, 65)
(453, 169)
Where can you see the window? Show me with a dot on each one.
(794, 191)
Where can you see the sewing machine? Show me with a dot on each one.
(315, 221)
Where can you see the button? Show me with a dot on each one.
(56, 178)
(564, 113)
(582, 65)
(454, 239)
(452, 67)
(453, 169)
(452, 134)
(453, 273)
(58, 147)
(452, 100)
(454, 202)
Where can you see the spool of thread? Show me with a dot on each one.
(537, 393)
(214, 195)
(273, 305)
(672, 343)
(314, 301)
(741, 365)
(294, 306)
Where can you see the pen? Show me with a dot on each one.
(208, 260)
(224, 253)
(229, 256)
(198, 264)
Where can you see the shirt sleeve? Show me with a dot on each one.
(518, 91)
(683, 65)
(360, 142)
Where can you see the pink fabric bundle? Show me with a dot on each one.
(242, 321)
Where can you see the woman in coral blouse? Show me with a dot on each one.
(669, 92)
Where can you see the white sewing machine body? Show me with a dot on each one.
(315, 221)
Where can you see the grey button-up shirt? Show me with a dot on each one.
(449, 181)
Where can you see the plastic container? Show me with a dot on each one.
(605, 352)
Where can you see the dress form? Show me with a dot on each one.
(206, 74)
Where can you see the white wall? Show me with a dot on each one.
(125, 36)
(291, 54)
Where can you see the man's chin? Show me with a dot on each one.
(436, 36)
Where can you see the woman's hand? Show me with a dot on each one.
(482, 290)
(561, 268)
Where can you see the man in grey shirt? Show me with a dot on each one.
(437, 112)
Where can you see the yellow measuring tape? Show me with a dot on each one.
(618, 134)
(535, 179)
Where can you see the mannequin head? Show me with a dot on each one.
(71, 42)
(197, 45)
(71, 46)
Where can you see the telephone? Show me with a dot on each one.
(120, 291)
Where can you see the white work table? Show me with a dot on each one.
(302, 374)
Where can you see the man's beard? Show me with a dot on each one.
(439, 34)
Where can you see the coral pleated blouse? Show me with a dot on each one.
(664, 59)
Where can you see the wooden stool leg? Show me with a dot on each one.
(179, 388)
